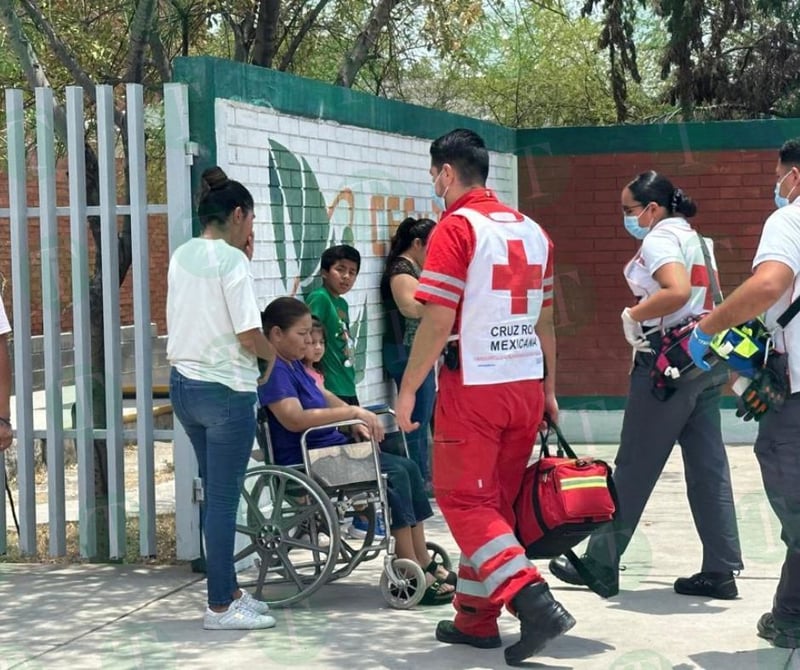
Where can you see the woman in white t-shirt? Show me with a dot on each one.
(214, 341)
(669, 279)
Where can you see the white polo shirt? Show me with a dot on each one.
(780, 241)
(672, 240)
(5, 326)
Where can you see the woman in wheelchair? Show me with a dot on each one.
(296, 403)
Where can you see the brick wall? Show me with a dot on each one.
(159, 258)
(577, 200)
(368, 182)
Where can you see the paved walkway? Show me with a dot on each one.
(121, 617)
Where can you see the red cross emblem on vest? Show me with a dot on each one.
(518, 277)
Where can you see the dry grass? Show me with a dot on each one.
(165, 544)
(165, 523)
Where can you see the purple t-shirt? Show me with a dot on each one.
(290, 380)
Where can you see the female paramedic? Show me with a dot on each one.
(669, 278)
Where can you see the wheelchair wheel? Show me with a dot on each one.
(439, 554)
(293, 534)
(409, 588)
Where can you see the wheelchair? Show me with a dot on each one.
(290, 519)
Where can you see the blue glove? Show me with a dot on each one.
(698, 347)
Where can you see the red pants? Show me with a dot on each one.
(484, 437)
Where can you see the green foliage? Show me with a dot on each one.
(722, 59)
(526, 64)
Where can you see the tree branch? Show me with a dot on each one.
(308, 23)
(358, 54)
(60, 49)
(266, 41)
(139, 33)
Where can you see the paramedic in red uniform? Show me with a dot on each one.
(487, 286)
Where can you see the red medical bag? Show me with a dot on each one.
(563, 499)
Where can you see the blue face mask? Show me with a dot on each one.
(783, 200)
(780, 200)
(631, 222)
(438, 199)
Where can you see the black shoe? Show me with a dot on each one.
(541, 618)
(604, 580)
(720, 585)
(446, 631)
(779, 637)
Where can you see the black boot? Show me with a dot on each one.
(541, 618)
(604, 581)
(446, 631)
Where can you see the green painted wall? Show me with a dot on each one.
(664, 137)
(210, 78)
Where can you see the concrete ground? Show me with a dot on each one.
(120, 617)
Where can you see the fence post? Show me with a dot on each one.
(81, 329)
(51, 319)
(179, 208)
(21, 282)
(141, 319)
(106, 145)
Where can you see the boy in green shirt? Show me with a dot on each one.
(339, 269)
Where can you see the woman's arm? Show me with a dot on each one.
(256, 343)
(294, 417)
(403, 287)
(676, 289)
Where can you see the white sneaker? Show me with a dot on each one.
(254, 605)
(236, 617)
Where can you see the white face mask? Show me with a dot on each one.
(438, 199)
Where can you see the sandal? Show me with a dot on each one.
(433, 596)
(451, 578)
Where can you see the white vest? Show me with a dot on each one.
(502, 300)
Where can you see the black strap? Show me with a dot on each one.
(790, 313)
(563, 446)
(716, 293)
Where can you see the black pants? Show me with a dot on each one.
(777, 449)
(650, 429)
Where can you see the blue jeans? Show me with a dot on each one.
(394, 361)
(221, 424)
(406, 495)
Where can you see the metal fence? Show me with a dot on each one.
(20, 214)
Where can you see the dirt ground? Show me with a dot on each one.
(165, 523)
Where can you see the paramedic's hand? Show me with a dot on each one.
(373, 428)
(698, 347)
(403, 409)
(550, 411)
(634, 333)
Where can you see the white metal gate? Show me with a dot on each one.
(179, 214)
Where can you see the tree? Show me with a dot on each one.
(337, 40)
(522, 64)
(723, 58)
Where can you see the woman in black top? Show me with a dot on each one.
(402, 315)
